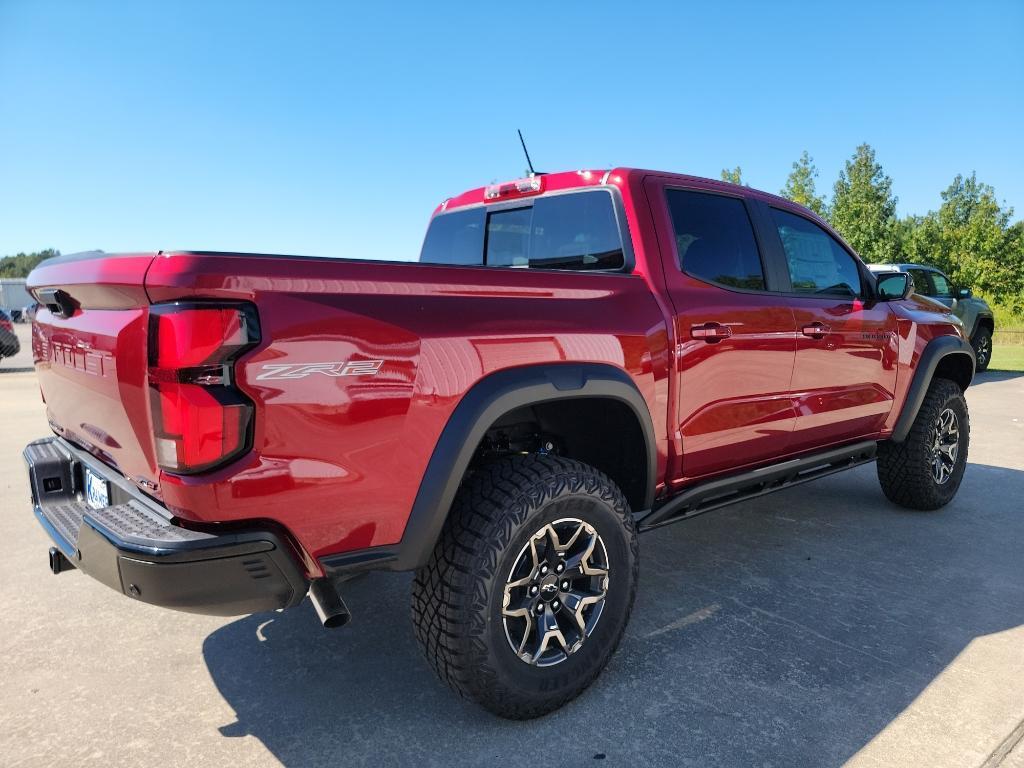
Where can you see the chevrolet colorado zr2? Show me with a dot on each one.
(575, 359)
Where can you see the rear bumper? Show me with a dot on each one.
(134, 546)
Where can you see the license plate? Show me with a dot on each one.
(97, 490)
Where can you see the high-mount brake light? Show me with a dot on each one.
(528, 186)
(200, 419)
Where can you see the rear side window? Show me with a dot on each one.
(942, 286)
(715, 240)
(818, 264)
(455, 238)
(922, 284)
(577, 231)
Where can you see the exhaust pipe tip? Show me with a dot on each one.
(59, 562)
(328, 604)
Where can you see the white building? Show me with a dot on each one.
(13, 294)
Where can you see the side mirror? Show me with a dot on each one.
(964, 293)
(895, 286)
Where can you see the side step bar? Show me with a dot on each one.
(722, 492)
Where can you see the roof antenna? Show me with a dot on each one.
(528, 161)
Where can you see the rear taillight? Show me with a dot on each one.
(200, 419)
(6, 324)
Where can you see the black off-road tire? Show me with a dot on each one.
(457, 598)
(905, 470)
(982, 344)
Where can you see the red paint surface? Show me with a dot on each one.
(337, 461)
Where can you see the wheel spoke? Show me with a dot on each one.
(526, 635)
(581, 561)
(520, 608)
(576, 603)
(547, 632)
(572, 539)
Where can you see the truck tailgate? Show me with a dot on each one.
(90, 350)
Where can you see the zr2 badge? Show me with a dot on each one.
(274, 371)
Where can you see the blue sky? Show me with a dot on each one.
(334, 129)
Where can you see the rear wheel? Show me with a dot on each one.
(529, 589)
(925, 470)
(982, 343)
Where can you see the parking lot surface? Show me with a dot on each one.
(819, 626)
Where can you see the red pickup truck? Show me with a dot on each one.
(576, 358)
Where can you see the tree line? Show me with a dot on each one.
(21, 264)
(970, 237)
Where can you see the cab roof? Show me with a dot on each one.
(532, 186)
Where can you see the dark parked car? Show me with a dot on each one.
(9, 344)
(975, 313)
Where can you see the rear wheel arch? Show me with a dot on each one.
(559, 392)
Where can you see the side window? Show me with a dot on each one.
(817, 263)
(455, 238)
(922, 285)
(715, 240)
(943, 288)
(572, 231)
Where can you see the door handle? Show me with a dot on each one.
(816, 330)
(712, 333)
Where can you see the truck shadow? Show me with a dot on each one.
(791, 629)
(993, 375)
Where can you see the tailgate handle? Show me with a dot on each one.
(57, 301)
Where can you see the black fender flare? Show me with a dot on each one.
(484, 403)
(934, 352)
(977, 324)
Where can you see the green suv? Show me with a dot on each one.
(975, 313)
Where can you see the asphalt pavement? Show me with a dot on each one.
(819, 626)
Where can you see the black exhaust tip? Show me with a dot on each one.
(58, 562)
(328, 604)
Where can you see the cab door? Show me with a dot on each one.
(845, 373)
(735, 344)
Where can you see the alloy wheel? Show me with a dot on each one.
(555, 592)
(945, 445)
(983, 351)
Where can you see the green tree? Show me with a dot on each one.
(735, 176)
(976, 244)
(800, 187)
(21, 264)
(918, 238)
(863, 208)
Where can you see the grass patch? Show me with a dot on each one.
(1007, 358)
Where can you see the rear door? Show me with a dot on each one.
(735, 346)
(845, 373)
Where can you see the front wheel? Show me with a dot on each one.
(531, 585)
(925, 470)
(982, 343)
